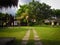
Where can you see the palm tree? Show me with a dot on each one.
(8, 3)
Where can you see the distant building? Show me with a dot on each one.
(52, 21)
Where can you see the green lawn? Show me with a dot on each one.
(49, 35)
(31, 41)
(15, 32)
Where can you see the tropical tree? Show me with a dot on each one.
(57, 13)
(6, 19)
(36, 11)
(39, 11)
(8, 3)
(3, 19)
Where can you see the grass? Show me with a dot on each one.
(31, 41)
(14, 32)
(49, 35)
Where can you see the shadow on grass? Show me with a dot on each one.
(9, 41)
(44, 42)
(50, 42)
(14, 41)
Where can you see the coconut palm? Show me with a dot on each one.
(8, 3)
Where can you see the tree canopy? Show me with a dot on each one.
(56, 13)
(35, 10)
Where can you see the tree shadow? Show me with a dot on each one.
(50, 42)
(14, 41)
(44, 42)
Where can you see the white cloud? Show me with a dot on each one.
(9, 10)
(53, 3)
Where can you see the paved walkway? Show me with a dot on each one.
(26, 38)
(36, 38)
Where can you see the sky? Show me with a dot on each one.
(53, 3)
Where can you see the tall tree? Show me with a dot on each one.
(57, 13)
(36, 11)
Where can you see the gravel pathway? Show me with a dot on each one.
(26, 38)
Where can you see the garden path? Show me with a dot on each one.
(36, 38)
(26, 38)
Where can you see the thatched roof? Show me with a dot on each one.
(8, 3)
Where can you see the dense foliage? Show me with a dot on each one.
(6, 3)
(35, 10)
(56, 13)
(6, 19)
